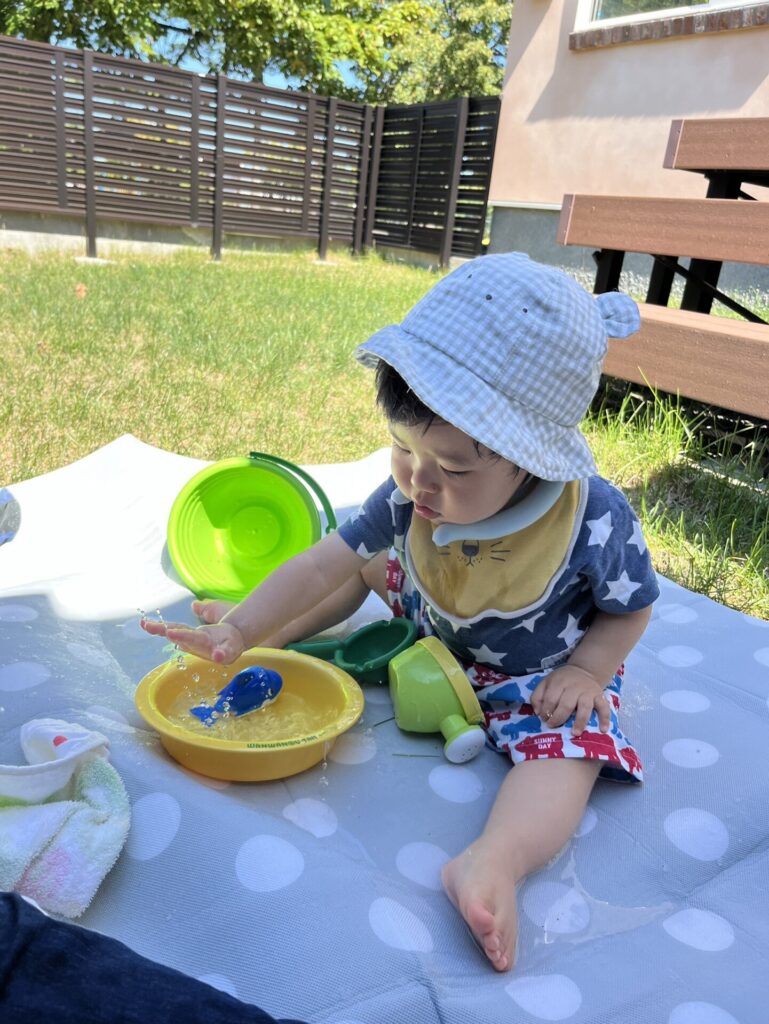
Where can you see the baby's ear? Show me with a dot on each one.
(619, 314)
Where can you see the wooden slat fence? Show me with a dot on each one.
(92, 136)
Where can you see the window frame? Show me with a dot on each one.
(584, 21)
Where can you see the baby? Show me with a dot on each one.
(495, 533)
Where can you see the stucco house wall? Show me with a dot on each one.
(597, 119)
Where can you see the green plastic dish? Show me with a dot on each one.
(238, 519)
(366, 653)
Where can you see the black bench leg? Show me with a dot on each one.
(660, 282)
(608, 272)
(697, 296)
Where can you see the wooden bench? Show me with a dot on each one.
(715, 360)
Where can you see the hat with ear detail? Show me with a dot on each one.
(509, 351)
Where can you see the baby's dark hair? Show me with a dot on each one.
(398, 402)
(402, 405)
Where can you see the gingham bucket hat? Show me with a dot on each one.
(509, 351)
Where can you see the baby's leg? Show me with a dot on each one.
(334, 609)
(536, 811)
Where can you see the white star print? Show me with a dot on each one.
(637, 538)
(486, 656)
(529, 623)
(571, 633)
(364, 552)
(621, 589)
(600, 529)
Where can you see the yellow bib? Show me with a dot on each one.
(468, 577)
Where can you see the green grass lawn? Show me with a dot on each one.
(213, 360)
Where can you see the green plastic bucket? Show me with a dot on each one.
(238, 519)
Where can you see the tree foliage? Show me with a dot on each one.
(374, 50)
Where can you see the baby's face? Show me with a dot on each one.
(440, 470)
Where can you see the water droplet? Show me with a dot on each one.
(195, 677)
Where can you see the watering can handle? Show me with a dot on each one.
(314, 485)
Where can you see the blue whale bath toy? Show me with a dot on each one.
(249, 690)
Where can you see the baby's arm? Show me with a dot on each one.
(293, 589)
(578, 685)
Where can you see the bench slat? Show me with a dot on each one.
(712, 359)
(719, 144)
(712, 229)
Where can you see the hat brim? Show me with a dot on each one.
(452, 391)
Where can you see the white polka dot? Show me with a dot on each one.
(220, 982)
(266, 863)
(155, 822)
(353, 748)
(587, 824)
(90, 655)
(697, 833)
(546, 996)
(688, 753)
(700, 929)
(23, 675)
(688, 701)
(555, 907)
(398, 927)
(313, 816)
(17, 613)
(700, 1013)
(678, 656)
(107, 718)
(762, 655)
(422, 863)
(455, 783)
(676, 613)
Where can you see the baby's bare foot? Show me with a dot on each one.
(211, 612)
(485, 897)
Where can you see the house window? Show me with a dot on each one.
(600, 11)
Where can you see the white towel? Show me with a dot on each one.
(64, 816)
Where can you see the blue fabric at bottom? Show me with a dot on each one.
(51, 970)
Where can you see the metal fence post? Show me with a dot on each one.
(195, 152)
(90, 196)
(61, 132)
(463, 106)
(309, 144)
(360, 202)
(373, 180)
(325, 213)
(221, 100)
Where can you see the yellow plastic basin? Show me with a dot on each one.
(317, 704)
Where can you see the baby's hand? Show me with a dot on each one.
(567, 690)
(222, 642)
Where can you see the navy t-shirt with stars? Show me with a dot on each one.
(519, 603)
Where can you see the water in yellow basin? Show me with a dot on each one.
(289, 716)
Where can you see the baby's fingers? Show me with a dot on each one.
(584, 709)
(159, 628)
(603, 708)
(193, 641)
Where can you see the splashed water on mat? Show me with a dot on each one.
(563, 920)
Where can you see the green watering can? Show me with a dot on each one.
(431, 693)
